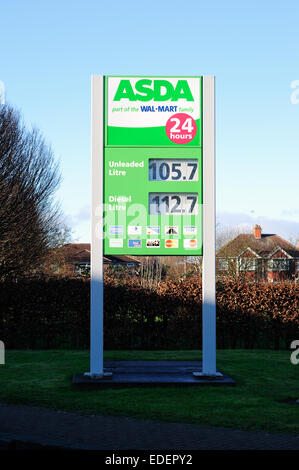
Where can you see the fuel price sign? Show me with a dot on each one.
(153, 166)
(148, 195)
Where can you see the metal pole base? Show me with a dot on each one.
(203, 375)
(104, 376)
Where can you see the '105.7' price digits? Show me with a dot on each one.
(174, 170)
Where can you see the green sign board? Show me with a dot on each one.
(153, 166)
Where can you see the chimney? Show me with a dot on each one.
(257, 232)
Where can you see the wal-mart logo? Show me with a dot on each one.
(156, 90)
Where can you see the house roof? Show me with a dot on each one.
(80, 253)
(263, 246)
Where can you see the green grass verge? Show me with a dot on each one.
(263, 379)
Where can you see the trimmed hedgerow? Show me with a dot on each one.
(38, 314)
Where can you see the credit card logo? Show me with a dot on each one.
(153, 230)
(191, 230)
(115, 229)
(171, 230)
(134, 243)
(134, 230)
(190, 243)
(171, 243)
(153, 243)
(116, 243)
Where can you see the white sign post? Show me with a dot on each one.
(209, 242)
(209, 239)
(97, 278)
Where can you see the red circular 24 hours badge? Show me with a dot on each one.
(181, 128)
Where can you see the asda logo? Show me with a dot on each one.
(156, 90)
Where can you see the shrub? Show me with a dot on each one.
(38, 314)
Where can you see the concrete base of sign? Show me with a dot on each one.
(104, 376)
(202, 375)
(151, 373)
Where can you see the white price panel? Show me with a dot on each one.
(173, 203)
(173, 169)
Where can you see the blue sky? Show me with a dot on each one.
(50, 49)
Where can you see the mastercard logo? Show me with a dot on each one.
(190, 243)
(171, 243)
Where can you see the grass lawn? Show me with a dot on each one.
(263, 379)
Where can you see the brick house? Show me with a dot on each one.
(75, 260)
(259, 256)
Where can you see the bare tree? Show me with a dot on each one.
(152, 271)
(294, 239)
(227, 233)
(30, 221)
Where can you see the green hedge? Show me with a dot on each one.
(37, 314)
